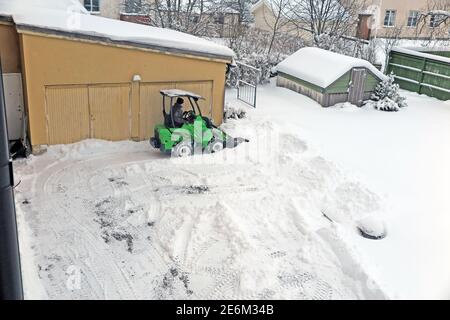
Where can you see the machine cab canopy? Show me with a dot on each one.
(175, 93)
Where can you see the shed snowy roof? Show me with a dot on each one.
(322, 67)
(68, 19)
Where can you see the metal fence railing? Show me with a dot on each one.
(247, 92)
(246, 89)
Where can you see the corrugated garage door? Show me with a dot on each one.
(151, 102)
(110, 112)
(75, 113)
(67, 111)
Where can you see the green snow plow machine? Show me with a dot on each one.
(194, 134)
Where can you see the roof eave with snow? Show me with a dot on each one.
(5, 18)
(23, 28)
(73, 23)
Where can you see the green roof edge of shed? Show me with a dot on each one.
(303, 82)
(318, 88)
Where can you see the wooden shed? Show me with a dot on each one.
(327, 77)
(90, 77)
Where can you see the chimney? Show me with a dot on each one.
(364, 22)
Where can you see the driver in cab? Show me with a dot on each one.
(177, 113)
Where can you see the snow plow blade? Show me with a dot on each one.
(234, 142)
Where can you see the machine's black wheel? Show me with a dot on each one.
(214, 146)
(183, 149)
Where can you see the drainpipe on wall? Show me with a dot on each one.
(10, 271)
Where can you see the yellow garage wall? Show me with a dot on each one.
(9, 48)
(151, 106)
(49, 61)
(203, 88)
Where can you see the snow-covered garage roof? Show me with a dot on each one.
(64, 17)
(322, 67)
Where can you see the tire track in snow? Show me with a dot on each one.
(227, 244)
(50, 178)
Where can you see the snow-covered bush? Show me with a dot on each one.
(234, 112)
(386, 104)
(386, 96)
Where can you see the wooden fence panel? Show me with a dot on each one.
(420, 73)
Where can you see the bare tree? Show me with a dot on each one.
(337, 18)
(191, 16)
(277, 20)
(434, 20)
(238, 28)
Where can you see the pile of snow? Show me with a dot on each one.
(235, 111)
(322, 67)
(67, 17)
(345, 106)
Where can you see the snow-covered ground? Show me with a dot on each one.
(119, 220)
(274, 218)
(405, 158)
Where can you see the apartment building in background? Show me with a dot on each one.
(379, 18)
(126, 10)
(405, 19)
(105, 8)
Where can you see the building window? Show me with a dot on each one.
(413, 18)
(435, 20)
(389, 18)
(133, 6)
(92, 5)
